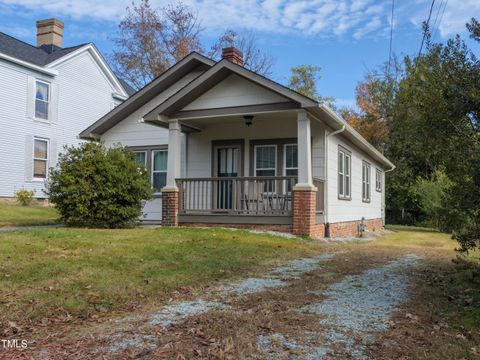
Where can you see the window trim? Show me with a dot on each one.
(148, 149)
(379, 174)
(156, 171)
(255, 158)
(346, 153)
(366, 182)
(48, 102)
(47, 160)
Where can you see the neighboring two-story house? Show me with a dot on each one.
(48, 95)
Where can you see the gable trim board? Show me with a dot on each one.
(220, 71)
(147, 93)
(120, 91)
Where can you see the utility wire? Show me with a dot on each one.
(440, 21)
(426, 28)
(391, 38)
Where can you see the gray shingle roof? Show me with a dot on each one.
(130, 90)
(26, 52)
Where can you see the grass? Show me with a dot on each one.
(17, 215)
(445, 297)
(83, 272)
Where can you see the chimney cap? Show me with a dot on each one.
(51, 21)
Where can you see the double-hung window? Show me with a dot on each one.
(42, 99)
(141, 158)
(266, 163)
(365, 182)
(159, 169)
(378, 180)
(40, 158)
(344, 174)
(291, 162)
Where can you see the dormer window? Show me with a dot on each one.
(42, 98)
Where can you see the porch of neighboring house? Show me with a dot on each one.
(261, 170)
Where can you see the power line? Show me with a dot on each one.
(440, 21)
(391, 38)
(426, 27)
(436, 16)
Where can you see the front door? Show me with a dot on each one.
(228, 164)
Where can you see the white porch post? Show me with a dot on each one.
(173, 159)
(305, 180)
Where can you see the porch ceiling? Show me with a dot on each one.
(202, 122)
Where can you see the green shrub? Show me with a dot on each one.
(95, 186)
(24, 196)
(433, 195)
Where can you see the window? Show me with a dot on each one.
(266, 164)
(42, 97)
(291, 160)
(291, 163)
(365, 182)
(141, 157)
(40, 158)
(378, 180)
(159, 169)
(265, 160)
(344, 171)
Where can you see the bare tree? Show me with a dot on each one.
(151, 40)
(254, 58)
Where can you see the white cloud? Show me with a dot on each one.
(326, 18)
(308, 17)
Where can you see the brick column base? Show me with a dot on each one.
(304, 217)
(170, 207)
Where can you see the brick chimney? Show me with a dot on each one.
(233, 54)
(49, 32)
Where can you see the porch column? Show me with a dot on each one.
(304, 150)
(304, 221)
(173, 159)
(170, 191)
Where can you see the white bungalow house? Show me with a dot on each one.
(48, 93)
(226, 146)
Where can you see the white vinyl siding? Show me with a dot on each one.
(40, 158)
(365, 182)
(378, 180)
(344, 174)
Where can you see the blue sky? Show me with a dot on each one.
(344, 37)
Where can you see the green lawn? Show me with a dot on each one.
(17, 215)
(50, 272)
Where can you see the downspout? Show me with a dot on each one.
(325, 200)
